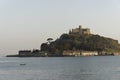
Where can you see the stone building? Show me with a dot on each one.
(23, 53)
(79, 53)
(80, 31)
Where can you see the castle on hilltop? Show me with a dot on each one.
(80, 31)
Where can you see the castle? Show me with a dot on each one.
(80, 31)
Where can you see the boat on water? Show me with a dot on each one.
(22, 64)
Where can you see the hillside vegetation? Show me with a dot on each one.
(77, 42)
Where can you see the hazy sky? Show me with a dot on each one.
(25, 24)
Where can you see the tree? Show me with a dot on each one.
(49, 40)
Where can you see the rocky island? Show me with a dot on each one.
(78, 42)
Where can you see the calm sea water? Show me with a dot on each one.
(61, 68)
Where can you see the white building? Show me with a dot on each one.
(80, 53)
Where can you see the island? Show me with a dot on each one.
(77, 42)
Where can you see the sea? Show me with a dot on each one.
(60, 68)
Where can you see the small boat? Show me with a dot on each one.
(22, 64)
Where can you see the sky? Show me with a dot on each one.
(25, 24)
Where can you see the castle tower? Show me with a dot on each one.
(70, 31)
(80, 30)
(80, 27)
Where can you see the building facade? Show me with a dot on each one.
(23, 53)
(80, 31)
(80, 53)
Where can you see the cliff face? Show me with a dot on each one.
(85, 43)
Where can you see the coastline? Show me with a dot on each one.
(58, 55)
